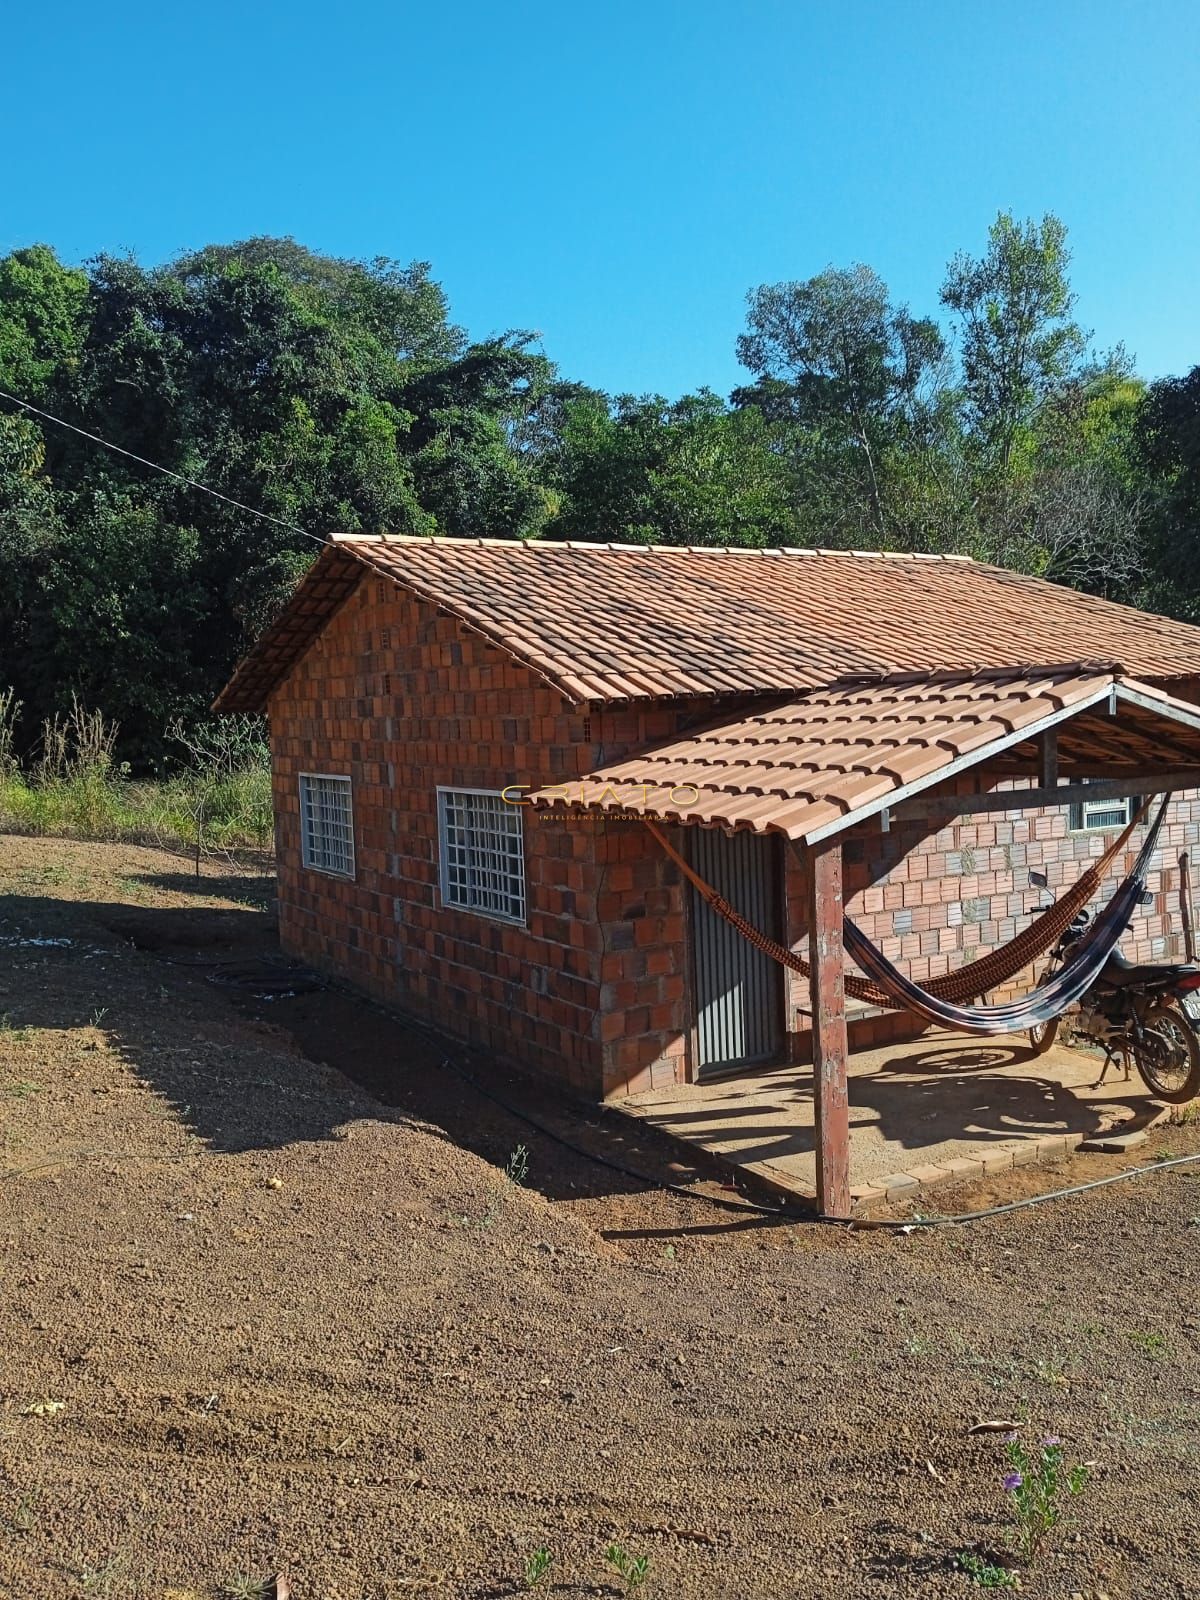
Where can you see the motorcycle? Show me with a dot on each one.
(1147, 1014)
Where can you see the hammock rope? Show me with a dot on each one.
(968, 982)
(887, 988)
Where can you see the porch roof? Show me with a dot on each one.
(816, 765)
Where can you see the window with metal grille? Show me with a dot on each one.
(1100, 816)
(326, 824)
(481, 853)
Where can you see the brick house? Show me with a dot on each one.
(466, 736)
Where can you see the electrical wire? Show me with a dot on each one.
(191, 483)
(887, 1224)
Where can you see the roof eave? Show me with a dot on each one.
(254, 678)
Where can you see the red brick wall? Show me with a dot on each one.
(644, 987)
(935, 898)
(403, 699)
(595, 990)
(648, 1012)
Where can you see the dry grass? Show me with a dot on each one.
(219, 800)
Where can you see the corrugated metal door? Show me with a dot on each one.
(738, 990)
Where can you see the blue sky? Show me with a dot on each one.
(617, 176)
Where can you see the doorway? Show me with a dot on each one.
(738, 991)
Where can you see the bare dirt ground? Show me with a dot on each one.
(256, 1316)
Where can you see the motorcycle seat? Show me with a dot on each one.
(1119, 971)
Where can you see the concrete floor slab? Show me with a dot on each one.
(940, 1108)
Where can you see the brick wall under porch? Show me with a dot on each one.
(932, 897)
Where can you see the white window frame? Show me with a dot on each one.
(1083, 815)
(452, 895)
(312, 864)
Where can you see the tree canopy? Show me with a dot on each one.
(337, 395)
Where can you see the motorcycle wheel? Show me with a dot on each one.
(1168, 1055)
(1042, 1035)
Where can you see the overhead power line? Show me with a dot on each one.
(190, 483)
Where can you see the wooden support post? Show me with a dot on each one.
(1185, 907)
(828, 1001)
(1050, 758)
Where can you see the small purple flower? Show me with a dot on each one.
(1008, 1438)
(1050, 1441)
(1013, 1480)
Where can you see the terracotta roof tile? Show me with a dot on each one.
(839, 754)
(617, 623)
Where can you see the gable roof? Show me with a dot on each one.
(612, 623)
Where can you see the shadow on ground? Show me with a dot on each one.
(912, 1103)
(203, 1007)
(179, 992)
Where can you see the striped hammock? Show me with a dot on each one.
(941, 999)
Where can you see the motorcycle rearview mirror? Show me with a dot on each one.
(1039, 880)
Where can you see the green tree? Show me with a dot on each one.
(1073, 507)
(273, 382)
(332, 394)
(471, 481)
(834, 356)
(42, 320)
(691, 472)
(401, 307)
(1018, 342)
(470, 418)
(117, 617)
(1168, 451)
(226, 373)
(329, 395)
(30, 527)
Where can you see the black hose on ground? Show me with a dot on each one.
(617, 1166)
(1015, 1205)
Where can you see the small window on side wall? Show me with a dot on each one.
(326, 824)
(481, 853)
(1100, 816)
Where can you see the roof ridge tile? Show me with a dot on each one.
(610, 624)
(458, 540)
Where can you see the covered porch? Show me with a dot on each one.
(932, 1112)
(831, 766)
